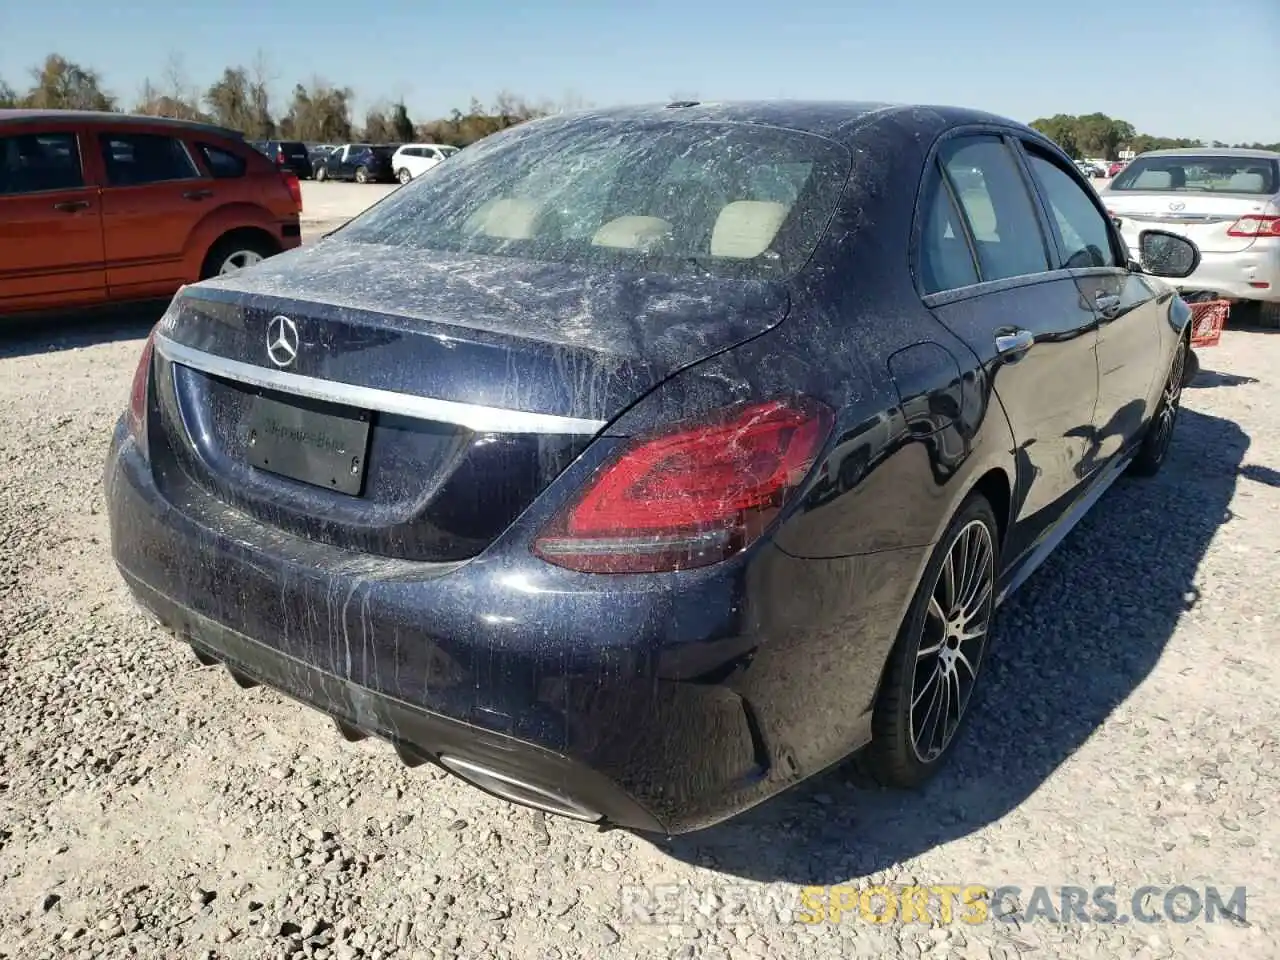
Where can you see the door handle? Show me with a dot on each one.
(197, 194)
(1013, 344)
(71, 206)
(1108, 305)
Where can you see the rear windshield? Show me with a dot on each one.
(1201, 174)
(290, 149)
(382, 151)
(734, 200)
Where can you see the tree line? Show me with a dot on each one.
(321, 111)
(317, 111)
(1098, 136)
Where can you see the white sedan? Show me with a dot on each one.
(1227, 201)
(415, 159)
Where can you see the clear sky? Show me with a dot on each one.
(1194, 68)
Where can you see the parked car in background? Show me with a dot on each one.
(1090, 169)
(413, 159)
(317, 150)
(361, 162)
(98, 207)
(545, 469)
(1227, 201)
(289, 155)
(1116, 166)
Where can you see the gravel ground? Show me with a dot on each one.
(1127, 734)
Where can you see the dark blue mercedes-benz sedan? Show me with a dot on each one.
(637, 464)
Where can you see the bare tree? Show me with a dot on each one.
(8, 96)
(175, 96)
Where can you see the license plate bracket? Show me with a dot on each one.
(307, 440)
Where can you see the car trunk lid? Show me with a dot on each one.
(412, 404)
(1205, 219)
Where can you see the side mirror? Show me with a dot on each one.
(1164, 254)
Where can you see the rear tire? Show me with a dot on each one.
(935, 664)
(321, 174)
(362, 175)
(1155, 443)
(235, 252)
(403, 175)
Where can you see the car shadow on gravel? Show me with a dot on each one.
(51, 332)
(1207, 379)
(1068, 649)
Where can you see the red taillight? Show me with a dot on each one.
(689, 496)
(1255, 225)
(295, 187)
(138, 392)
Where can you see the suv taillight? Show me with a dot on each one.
(137, 419)
(691, 495)
(295, 187)
(1255, 225)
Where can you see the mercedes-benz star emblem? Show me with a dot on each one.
(282, 341)
(1176, 205)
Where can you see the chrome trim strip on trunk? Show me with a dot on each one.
(473, 416)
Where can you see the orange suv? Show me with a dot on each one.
(98, 207)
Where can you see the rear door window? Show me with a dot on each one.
(40, 162)
(223, 164)
(997, 205)
(133, 159)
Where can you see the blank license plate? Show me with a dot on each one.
(308, 441)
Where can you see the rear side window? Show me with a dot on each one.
(1086, 241)
(223, 164)
(997, 206)
(39, 162)
(946, 262)
(133, 159)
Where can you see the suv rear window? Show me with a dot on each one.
(728, 199)
(1208, 173)
(293, 149)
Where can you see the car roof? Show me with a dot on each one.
(29, 116)
(1244, 152)
(846, 122)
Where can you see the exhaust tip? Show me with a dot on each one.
(519, 791)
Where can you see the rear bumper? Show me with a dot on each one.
(650, 709)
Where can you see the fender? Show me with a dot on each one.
(221, 220)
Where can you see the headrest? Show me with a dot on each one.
(632, 233)
(505, 218)
(1246, 183)
(745, 228)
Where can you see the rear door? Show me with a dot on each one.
(1124, 303)
(985, 269)
(153, 195)
(51, 250)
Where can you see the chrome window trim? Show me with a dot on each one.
(476, 417)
